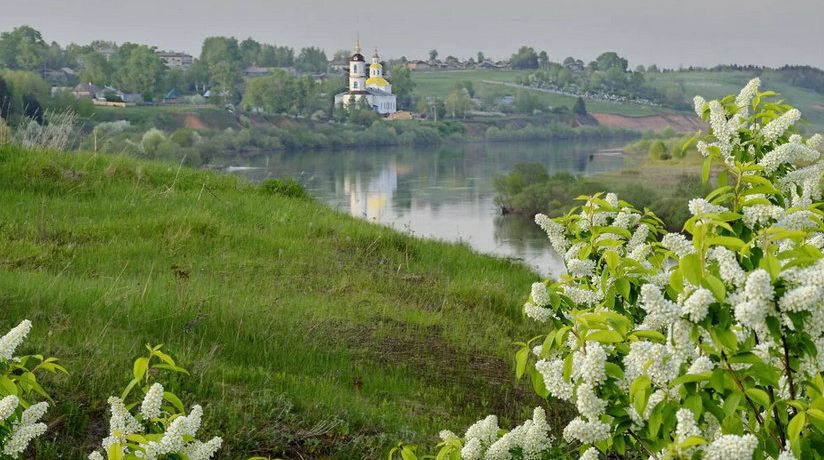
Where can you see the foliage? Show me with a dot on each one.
(402, 85)
(160, 429)
(525, 58)
(702, 347)
(23, 48)
(289, 188)
(19, 416)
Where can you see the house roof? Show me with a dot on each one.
(173, 94)
(86, 88)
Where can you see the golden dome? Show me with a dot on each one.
(376, 81)
(375, 65)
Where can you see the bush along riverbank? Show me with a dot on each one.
(529, 190)
(211, 135)
(303, 332)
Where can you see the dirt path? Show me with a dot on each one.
(677, 121)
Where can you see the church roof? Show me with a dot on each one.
(357, 57)
(377, 81)
(375, 65)
(378, 92)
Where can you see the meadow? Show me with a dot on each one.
(306, 332)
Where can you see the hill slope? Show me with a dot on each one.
(306, 331)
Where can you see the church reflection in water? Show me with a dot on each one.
(370, 195)
(444, 192)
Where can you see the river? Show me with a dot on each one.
(444, 192)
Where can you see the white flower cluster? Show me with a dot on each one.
(553, 374)
(728, 267)
(791, 153)
(24, 429)
(661, 312)
(697, 305)
(746, 96)
(653, 360)
(554, 231)
(678, 243)
(777, 127)
(731, 447)
(177, 439)
(700, 206)
(13, 339)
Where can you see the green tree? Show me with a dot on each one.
(543, 60)
(225, 78)
(311, 59)
(525, 102)
(402, 84)
(22, 48)
(481, 58)
(525, 58)
(580, 107)
(458, 103)
(141, 72)
(220, 49)
(95, 68)
(250, 51)
(433, 54)
(611, 60)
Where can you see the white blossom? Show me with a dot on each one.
(775, 128)
(472, 450)
(732, 447)
(698, 304)
(539, 295)
(746, 95)
(586, 432)
(8, 406)
(588, 403)
(699, 103)
(13, 339)
(34, 413)
(198, 450)
(537, 313)
(152, 402)
(553, 374)
(20, 438)
(590, 454)
(678, 244)
(661, 312)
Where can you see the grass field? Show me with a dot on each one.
(707, 84)
(307, 332)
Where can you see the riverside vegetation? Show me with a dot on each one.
(672, 347)
(305, 332)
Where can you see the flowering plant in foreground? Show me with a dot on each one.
(702, 345)
(160, 427)
(19, 418)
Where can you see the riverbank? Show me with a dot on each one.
(306, 331)
(198, 136)
(662, 182)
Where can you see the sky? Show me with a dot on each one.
(670, 33)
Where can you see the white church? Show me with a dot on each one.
(375, 89)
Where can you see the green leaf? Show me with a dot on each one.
(521, 358)
(605, 336)
(817, 414)
(691, 268)
(688, 378)
(759, 396)
(705, 170)
(727, 241)
(140, 367)
(693, 441)
(711, 282)
(115, 452)
(771, 264)
(796, 425)
(408, 454)
(650, 335)
(614, 370)
(538, 383)
(175, 401)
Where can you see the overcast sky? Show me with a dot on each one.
(666, 32)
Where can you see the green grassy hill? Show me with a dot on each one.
(492, 84)
(306, 331)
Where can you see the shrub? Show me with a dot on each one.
(289, 188)
(703, 345)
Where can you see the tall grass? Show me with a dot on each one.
(307, 332)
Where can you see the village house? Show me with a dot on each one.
(175, 60)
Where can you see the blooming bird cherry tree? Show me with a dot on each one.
(706, 344)
(19, 418)
(159, 428)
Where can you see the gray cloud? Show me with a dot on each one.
(666, 32)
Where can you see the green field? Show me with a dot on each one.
(704, 83)
(307, 332)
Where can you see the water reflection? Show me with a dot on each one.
(439, 192)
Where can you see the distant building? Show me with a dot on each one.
(253, 71)
(418, 65)
(86, 90)
(175, 60)
(375, 90)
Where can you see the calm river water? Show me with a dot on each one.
(443, 192)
